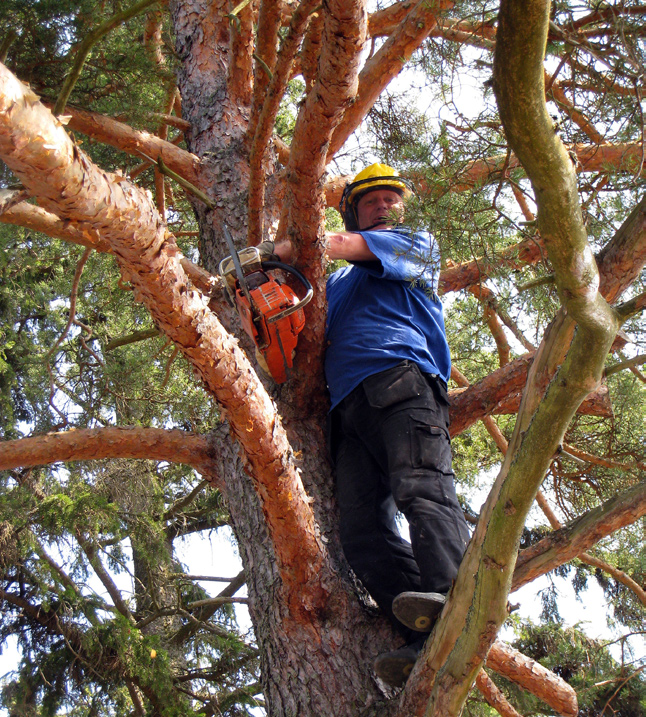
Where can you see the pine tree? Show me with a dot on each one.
(122, 359)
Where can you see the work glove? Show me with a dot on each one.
(266, 250)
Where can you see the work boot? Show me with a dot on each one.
(394, 667)
(418, 611)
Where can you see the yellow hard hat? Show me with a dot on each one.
(376, 176)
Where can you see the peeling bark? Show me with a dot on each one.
(38, 150)
(99, 443)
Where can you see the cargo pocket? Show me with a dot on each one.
(400, 383)
(430, 446)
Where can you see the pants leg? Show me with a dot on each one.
(394, 452)
(377, 553)
(421, 480)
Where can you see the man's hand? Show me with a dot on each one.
(267, 251)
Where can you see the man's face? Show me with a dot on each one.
(375, 210)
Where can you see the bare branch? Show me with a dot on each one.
(206, 611)
(73, 297)
(494, 696)
(533, 677)
(132, 141)
(629, 363)
(90, 549)
(100, 443)
(565, 544)
(185, 500)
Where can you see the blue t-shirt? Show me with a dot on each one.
(382, 312)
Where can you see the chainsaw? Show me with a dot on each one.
(270, 311)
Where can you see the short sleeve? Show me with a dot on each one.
(404, 256)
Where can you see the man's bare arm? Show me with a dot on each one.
(339, 245)
(349, 246)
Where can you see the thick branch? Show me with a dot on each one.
(533, 677)
(266, 120)
(495, 698)
(133, 141)
(302, 217)
(619, 575)
(240, 77)
(269, 18)
(38, 151)
(33, 217)
(569, 542)
(623, 258)
(92, 444)
(386, 64)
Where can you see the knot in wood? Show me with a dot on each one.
(509, 508)
(492, 564)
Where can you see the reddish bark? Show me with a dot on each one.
(533, 677)
(265, 126)
(38, 150)
(303, 209)
(242, 47)
(495, 698)
(386, 64)
(99, 443)
(135, 142)
(269, 20)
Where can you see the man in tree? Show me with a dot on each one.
(387, 366)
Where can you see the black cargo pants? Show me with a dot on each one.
(390, 444)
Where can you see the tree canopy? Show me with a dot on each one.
(133, 414)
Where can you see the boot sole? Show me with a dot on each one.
(417, 610)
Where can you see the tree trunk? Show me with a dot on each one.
(314, 662)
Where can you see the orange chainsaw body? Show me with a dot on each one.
(274, 336)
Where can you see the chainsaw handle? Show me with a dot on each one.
(268, 264)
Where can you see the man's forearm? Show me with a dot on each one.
(347, 245)
(338, 245)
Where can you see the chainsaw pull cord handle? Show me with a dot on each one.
(303, 280)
